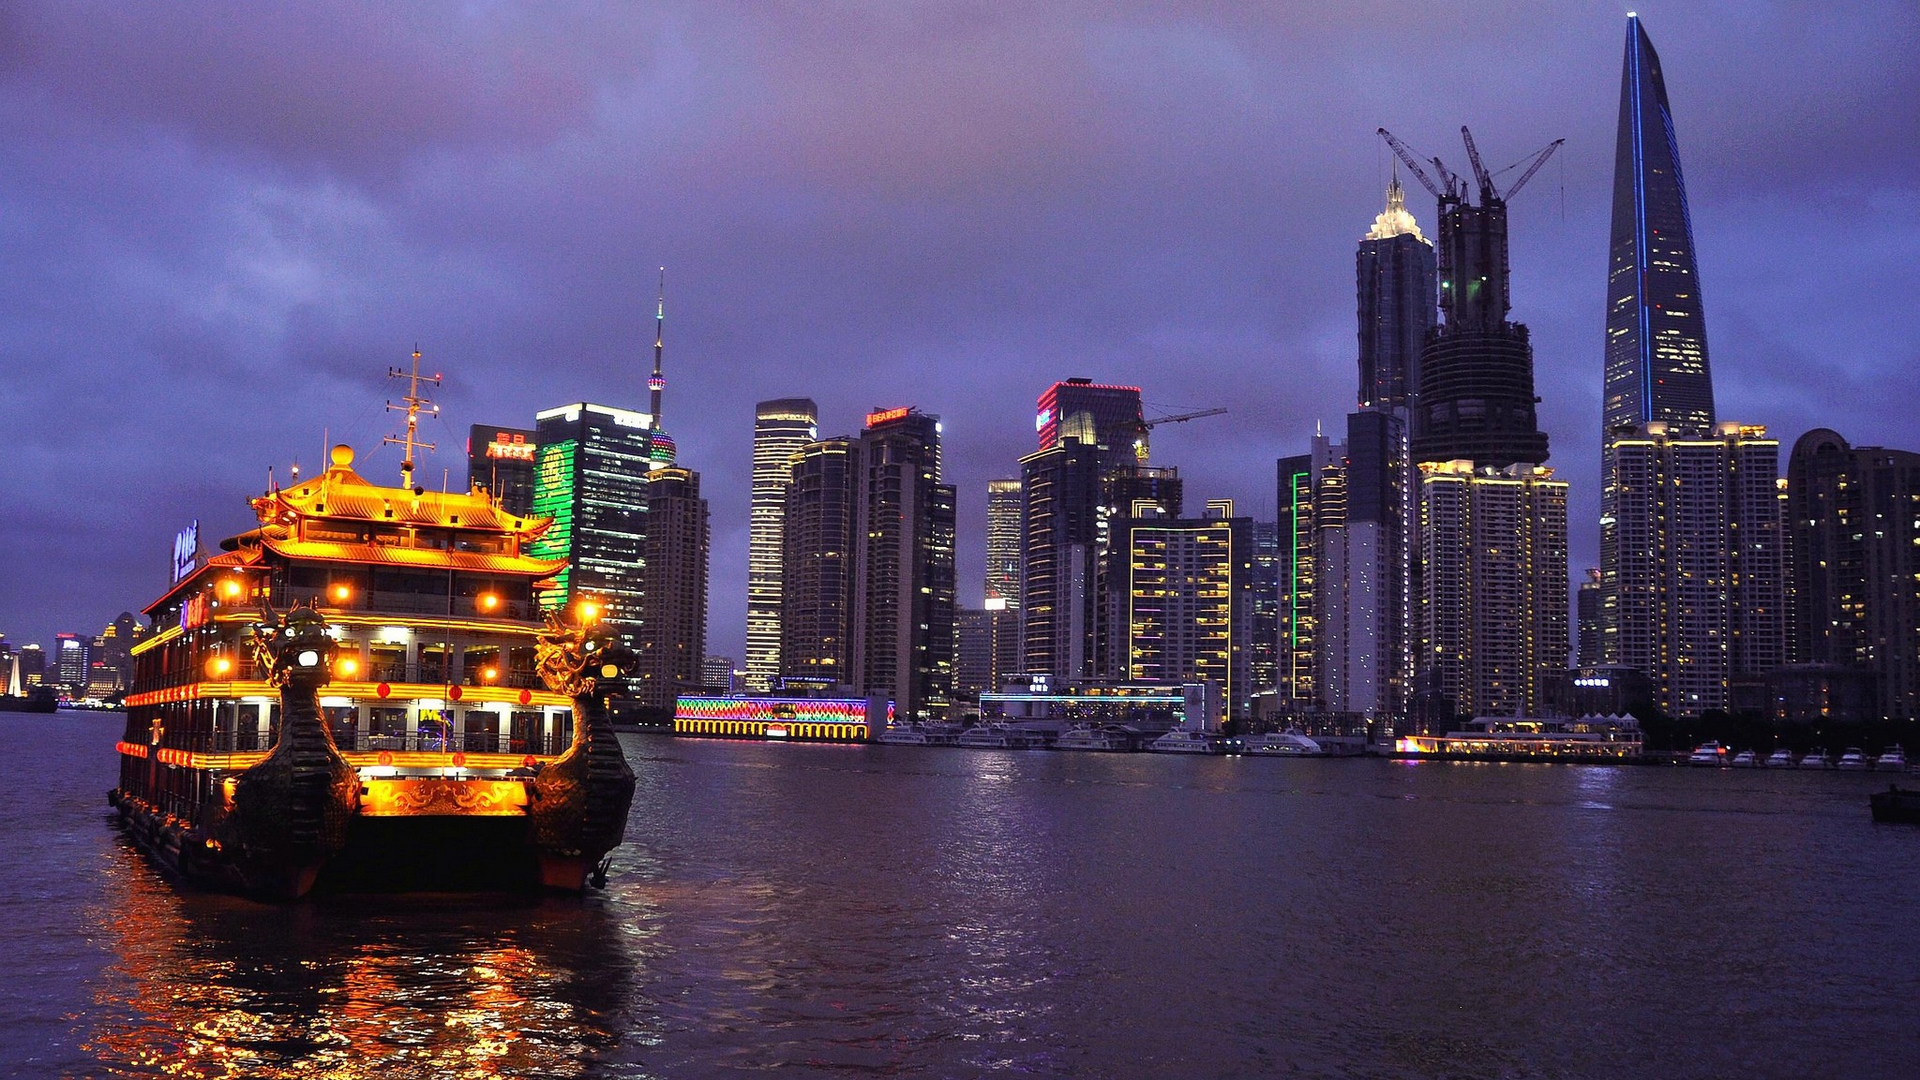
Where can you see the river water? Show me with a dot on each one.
(899, 911)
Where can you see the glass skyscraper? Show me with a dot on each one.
(591, 479)
(780, 428)
(1656, 357)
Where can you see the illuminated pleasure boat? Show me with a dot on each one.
(410, 722)
(1780, 759)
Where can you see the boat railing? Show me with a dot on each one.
(407, 603)
(475, 742)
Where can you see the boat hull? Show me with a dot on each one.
(1896, 806)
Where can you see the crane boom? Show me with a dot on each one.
(1479, 169)
(1538, 159)
(1406, 156)
(1182, 417)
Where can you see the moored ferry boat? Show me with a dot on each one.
(411, 722)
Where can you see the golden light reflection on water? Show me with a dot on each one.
(207, 986)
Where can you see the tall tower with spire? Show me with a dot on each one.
(1394, 273)
(673, 571)
(1656, 352)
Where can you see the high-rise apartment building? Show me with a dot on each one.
(1063, 538)
(780, 428)
(986, 650)
(820, 554)
(673, 632)
(1187, 584)
(1311, 496)
(1691, 579)
(1853, 558)
(501, 459)
(1656, 350)
(1346, 609)
(1263, 621)
(591, 479)
(903, 588)
(1005, 505)
(1394, 272)
(73, 661)
(1493, 609)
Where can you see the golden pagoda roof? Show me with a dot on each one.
(340, 494)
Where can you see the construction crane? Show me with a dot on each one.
(1454, 188)
(1140, 441)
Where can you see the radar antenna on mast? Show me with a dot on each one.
(415, 401)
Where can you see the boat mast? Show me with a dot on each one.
(415, 401)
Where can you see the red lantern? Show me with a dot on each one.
(453, 692)
(383, 690)
(526, 697)
(386, 756)
(459, 759)
(529, 761)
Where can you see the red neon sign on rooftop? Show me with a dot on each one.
(884, 415)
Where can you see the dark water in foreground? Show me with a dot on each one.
(839, 911)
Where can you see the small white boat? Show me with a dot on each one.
(1894, 760)
(1281, 744)
(1746, 759)
(1708, 753)
(998, 736)
(1087, 737)
(1182, 741)
(1815, 759)
(1854, 759)
(1780, 759)
(903, 735)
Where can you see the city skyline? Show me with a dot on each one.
(882, 246)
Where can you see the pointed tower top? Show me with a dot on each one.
(664, 451)
(1395, 220)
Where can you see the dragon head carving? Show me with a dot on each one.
(295, 650)
(576, 661)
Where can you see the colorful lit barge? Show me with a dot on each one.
(433, 696)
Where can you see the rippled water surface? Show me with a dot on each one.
(840, 911)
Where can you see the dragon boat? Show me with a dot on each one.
(363, 693)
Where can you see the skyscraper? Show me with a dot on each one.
(673, 633)
(591, 479)
(1310, 498)
(1394, 272)
(780, 428)
(1005, 503)
(1691, 579)
(903, 588)
(816, 619)
(1656, 351)
(1475, 389)
(1108, 417)
(1853, 556)
(1494, 603)
(1060, 594)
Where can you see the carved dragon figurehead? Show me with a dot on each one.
(578, 662)
(294, 651)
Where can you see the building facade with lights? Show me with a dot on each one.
(673, 631)
(1006, 502)
(1394, 280)
(501, 459)
(1853, 558)
(1692, 589)
(591, 481)
(1493, 611)
(817, 617)
(903, 582)
(781, 427)
(1187, 584)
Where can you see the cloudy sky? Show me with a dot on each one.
(220, 225)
